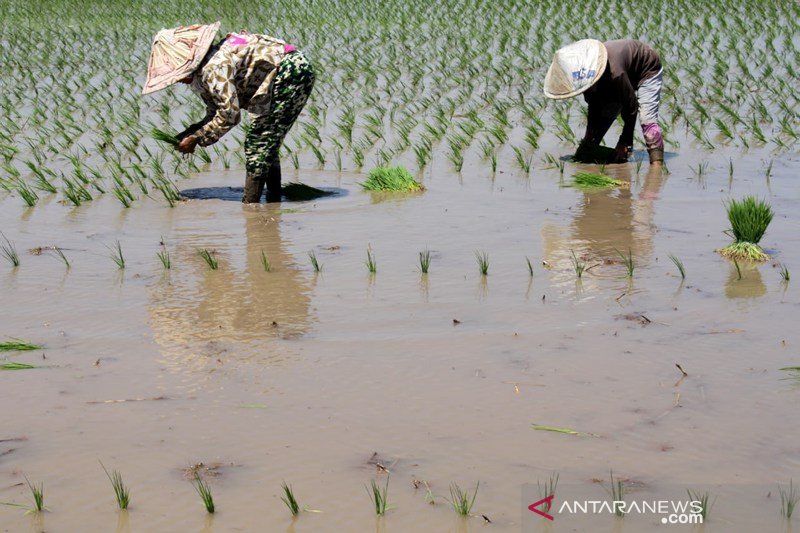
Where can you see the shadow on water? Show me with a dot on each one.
(234, 194)
(637, 155)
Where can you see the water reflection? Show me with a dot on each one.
(749, 286)
(201, 317)
(607, 223)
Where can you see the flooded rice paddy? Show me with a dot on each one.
(249, 376)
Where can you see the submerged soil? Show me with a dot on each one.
(255, 377)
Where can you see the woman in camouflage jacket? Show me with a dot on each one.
(263, 75)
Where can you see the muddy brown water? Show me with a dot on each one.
(296, 376)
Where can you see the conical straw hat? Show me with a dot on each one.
(176, 53)
(575, 68)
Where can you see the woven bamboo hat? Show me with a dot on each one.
(575, 68)
(176, 53)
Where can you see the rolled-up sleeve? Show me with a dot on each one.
(219, 85)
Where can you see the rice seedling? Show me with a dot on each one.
(27, 194)
(749, 219)
(703, 499)
(204, 490)
(424, 261)
(370, 262)
(460, 499)
(379, 496)
(578, 265)
(396, 179)
(60, 253)
(299, 192)
(617, 494)
(116, 255)
(121, 492)
(266, 265)
(289, 499)
(16, 366)
(483, 262)
(18, 345)
(565, 431)
(789, 499)
(679, 265)
(784, 272)
(312, 257)
(630, 266)
(164, 137)
(548, 488)
(590, 180)
(209, 256)
(530, 266)
(9, 251)
(37, 493)
(163, 256)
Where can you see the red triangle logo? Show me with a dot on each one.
(548, 501)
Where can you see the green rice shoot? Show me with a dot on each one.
(482, 259)
(591, 180)
(678, 265)
(578, 265)
(16, 366)
(789, 500)
(460, 499)
(116, 255)
(37, 492)
(209, 256)
(60, 253)
(289, 499)
(548, 488)
(566, 431)
(121, 492)
(18, 345)
(749, 219)
(312, 257)
(370, 262)
(164, 137)
(300, 192)
(395, 179)
(617, 494)
(424, 261)
(784, 272)
(379, 496)
(265, 262)
(204, 491)
(9, 251)
(704, 499)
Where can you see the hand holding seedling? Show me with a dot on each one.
(187, 145)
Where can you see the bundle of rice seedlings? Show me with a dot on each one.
(396, 179)
(591, 180)
(749, 218)
(164, 137)
(300, 192)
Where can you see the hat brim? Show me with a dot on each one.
(203, 43)
(602, 60)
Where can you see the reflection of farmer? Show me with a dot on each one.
(267, 77)
(240, 311)
(615, 77)
(609, 222)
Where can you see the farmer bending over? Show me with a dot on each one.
(263, 75)
(615, 77)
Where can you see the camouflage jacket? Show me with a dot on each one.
(237, 74)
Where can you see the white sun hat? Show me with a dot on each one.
(176, 53)
(575, 68)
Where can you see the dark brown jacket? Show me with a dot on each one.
(630, 63)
